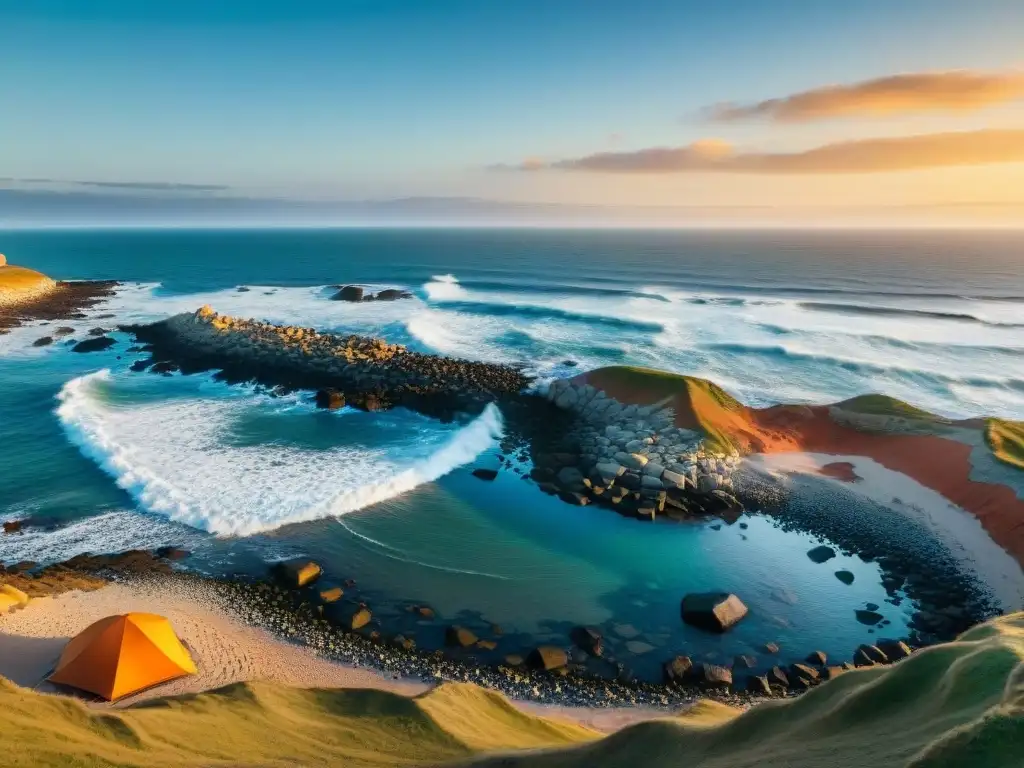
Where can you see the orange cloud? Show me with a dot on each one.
(952, 91)
(902, 153)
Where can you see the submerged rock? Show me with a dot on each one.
(96, 344)
(485, 474)
(821, 554)
(845, 576)
(870, 618)
(548, 658)
(460, 637)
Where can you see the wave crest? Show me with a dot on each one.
(172, 458)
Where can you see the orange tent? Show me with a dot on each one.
(120, 655)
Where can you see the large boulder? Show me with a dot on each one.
(549, 658)
(298, 572)
(349, 293)
(459, 637)
(678, 670)
(589, 639)
(712, 611)
(95, 344)
(894, 650)
(713, 676)
(390, 294)
(348, 616)
(821, 554)
(330, 398)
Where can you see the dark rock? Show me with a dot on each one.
(549, 658)
(298, 572)
(712, 611)
(821, 554)
(485, 474)
(778, 676)
(43, 342)
(759, 685)
(13, 526)
(713, 676)
(744, 661)
(330, 398)
(348, 616)
(574, 497)
(165, 367)
(97, 344)
(870, 618)
(770, 648)
(803, 672)
(588, 639)
(894, 650)
(63, 331)
(349, 293)
(831, 673)
(423, 611)
(818, 657)
(459, 637)
(391, 294)
(570, 363)
(845, 576)
(98, 331)
(873, 653)
(139, 365)
(678, 670)
(871, 606)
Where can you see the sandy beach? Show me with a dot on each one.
(225, 650)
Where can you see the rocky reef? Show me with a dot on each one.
(364, 372)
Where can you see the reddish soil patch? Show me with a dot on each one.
(938, 463)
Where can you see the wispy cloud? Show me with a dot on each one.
(902, 153)
(158, 186)
(141, 186)
(923, 92)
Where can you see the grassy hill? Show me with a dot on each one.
(1006, 439)
(259, 724)
(18, 279)
(952, 705)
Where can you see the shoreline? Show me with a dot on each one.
(54, 300)
(960, 531)
(227, 649)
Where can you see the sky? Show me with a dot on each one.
(792, 104)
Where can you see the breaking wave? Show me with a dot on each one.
(176, 456)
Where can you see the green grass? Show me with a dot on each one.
(883, 405)
(1006, 439)
(951, 705)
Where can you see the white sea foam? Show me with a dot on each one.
(177, 459)
(445, 288)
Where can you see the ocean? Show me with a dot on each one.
(117, 459)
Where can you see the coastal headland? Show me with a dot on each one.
(27, 295)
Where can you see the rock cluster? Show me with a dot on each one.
(360, 371)
(634, 459)
(358, 293)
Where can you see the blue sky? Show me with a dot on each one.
(354, 98)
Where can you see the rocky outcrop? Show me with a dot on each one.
(633, 459)
(297, 573)
(356, 293)
(367, 373)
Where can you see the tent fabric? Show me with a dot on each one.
(13, 592)
(8, 604)
(121, 655)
